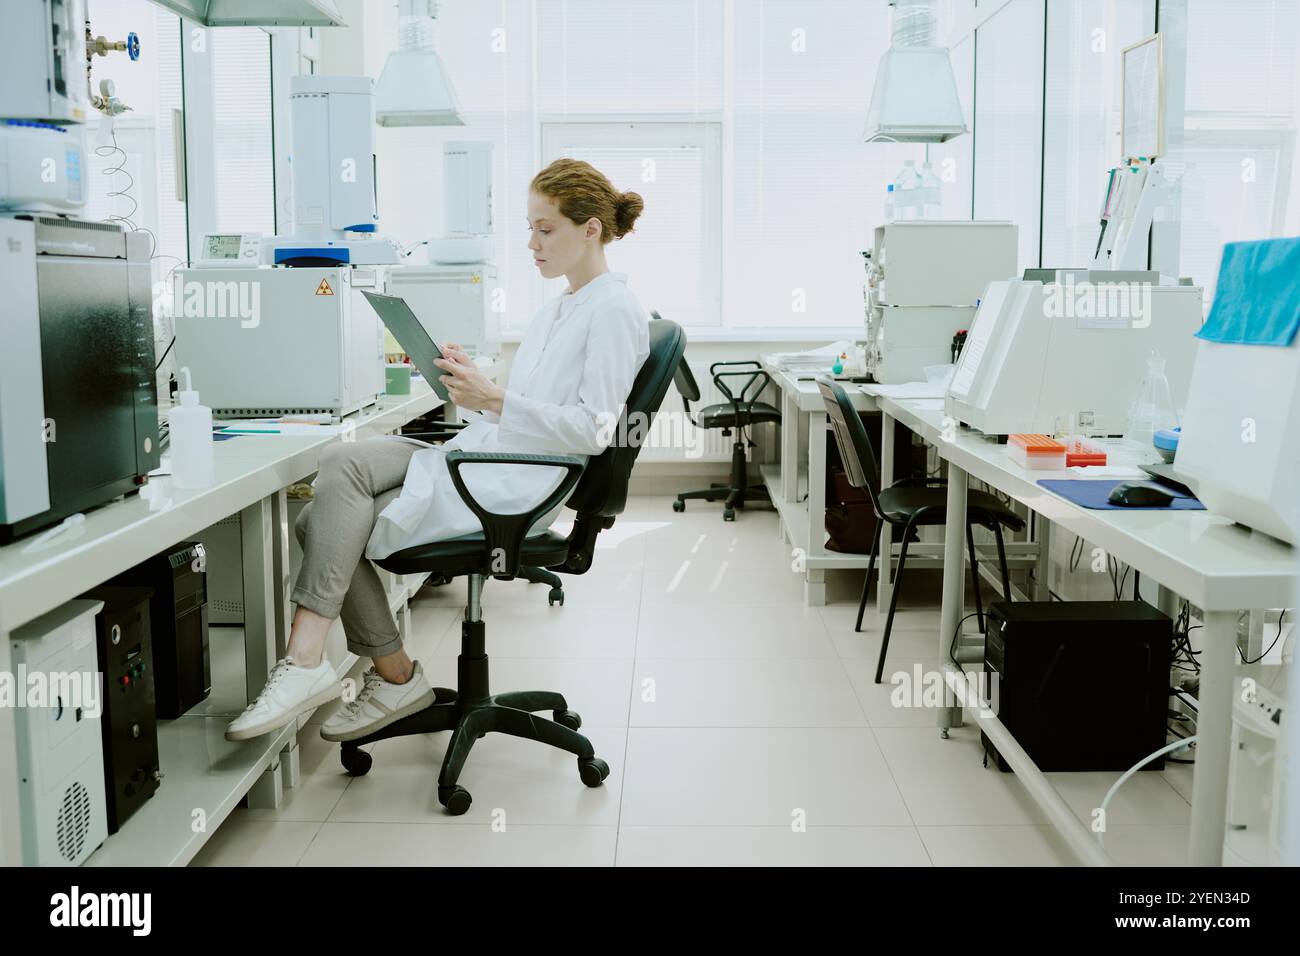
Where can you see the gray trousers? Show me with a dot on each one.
(356, 481)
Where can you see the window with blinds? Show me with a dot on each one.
(673, 258)
(244, 160)
(1237, 165)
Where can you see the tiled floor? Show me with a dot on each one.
(740, 728)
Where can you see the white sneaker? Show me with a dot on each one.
(378, 704)
(290, 690)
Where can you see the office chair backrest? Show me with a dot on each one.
(683, 378)
(851, 437)
(602, 490)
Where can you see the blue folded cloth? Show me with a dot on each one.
(1257, 300)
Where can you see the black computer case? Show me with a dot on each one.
(1081, 685)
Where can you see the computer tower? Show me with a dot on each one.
(1081, 685)
(60, 749)
(178, 613)
(128, 722)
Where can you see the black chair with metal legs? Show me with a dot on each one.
(908, 504)
(739, 412)
(506, 550)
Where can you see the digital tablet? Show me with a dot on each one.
(411, 336)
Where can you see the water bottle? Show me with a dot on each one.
(930, 186)
(191, 439)
(889, 203)
(906, 185)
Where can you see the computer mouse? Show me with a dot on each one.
(1137, 494)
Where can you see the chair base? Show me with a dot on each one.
(735, 492)
(471, 713)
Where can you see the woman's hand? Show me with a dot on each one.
(467, 387)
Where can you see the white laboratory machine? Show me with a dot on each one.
(452, 296)
(924, 279)
(63, 806)
(1256, 799)
(334, 215)
(1240, 442)
(1040, 356)
(265, 342)
(294, 335)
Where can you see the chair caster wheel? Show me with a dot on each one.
(355, 761)
(679, 506)
(728, 514)
(568, 718)
(593, 770)
(555, 596)
(455, 799)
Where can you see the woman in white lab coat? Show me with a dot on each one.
(569, 380)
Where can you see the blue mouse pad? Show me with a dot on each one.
(1094, 493)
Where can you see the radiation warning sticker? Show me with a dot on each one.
(324, 288)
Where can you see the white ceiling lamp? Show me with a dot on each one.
(414, 89)
(915, 96)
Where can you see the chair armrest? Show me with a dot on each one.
(505, 534)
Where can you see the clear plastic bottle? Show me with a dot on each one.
(1153, 411)
(191, 439)
(907, 196)
(889, 203)
(931, 187)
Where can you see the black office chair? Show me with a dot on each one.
(503, 551)
(909, 504)
(739, 412)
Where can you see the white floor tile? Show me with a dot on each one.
(244, 841)
(742, 631)
(739, 692)
(768, 777)
(408, 844)
(945, 784)
(770, 846)
(996, 846)
(706, 582)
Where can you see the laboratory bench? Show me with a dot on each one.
(205, 775)
(1220, 567)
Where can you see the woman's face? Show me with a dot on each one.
(558, 244)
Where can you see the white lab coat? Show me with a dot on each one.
(570, 379)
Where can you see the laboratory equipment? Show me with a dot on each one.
(271, 342)
(1255, 777)
(190, 427)
(1035, 451)
(1036, 653)
(78, 403)
(335, 219)
(1038, 353)
(1153, 412)
(453, 303)
(1166, 443)
(62, 803)
(1239, 446)
(42, 168)
(43, 70)
(923, 281)
(230, 250)
(914, 99)
(907, 192)
(467, 205)
(178, 620)
(129, 721)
